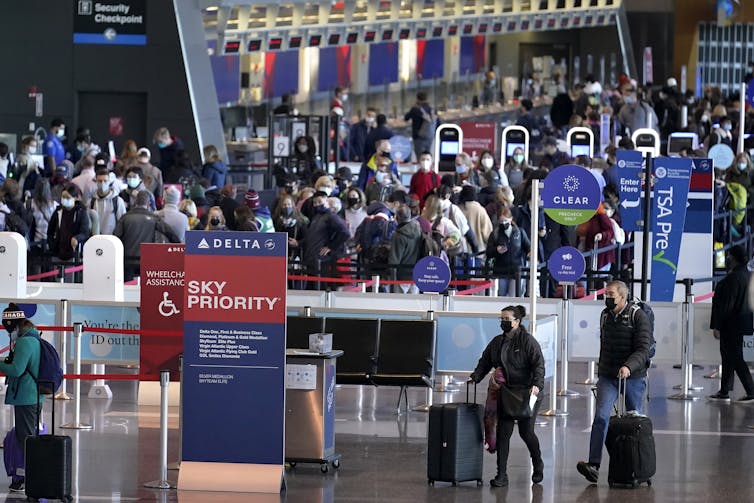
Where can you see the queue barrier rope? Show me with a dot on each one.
(593, 296)
(700, 298)
(480, 288)
(49, 274)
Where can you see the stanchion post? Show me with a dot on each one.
(553, 410)
(78, 329)
(376, 286)
(687, 333)
(564, 391)
(493, 288)
(63, 320)
(163, 482)
(177, 464)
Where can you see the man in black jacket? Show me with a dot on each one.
(731, 319)
(624, 348)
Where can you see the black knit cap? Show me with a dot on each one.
(12, 316)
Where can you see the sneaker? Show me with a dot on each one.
(17, 486)
(719, 397)
(589, 471)
(499, 481)
(746, 399)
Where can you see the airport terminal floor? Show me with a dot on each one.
(703, 451)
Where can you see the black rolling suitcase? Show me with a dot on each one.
(455, 442)
(631, 446)
(48, 462)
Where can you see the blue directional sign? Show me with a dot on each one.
(432, 275)
(566, 264)
(630, 174)
(750, 92)
(571, 194)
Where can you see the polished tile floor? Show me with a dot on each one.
(704, 452)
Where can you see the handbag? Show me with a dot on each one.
(515, 402)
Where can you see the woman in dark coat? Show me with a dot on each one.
(517, 358)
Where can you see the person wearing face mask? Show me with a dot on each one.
(216, 220)
(740, 173)
(140, 225)
(304, 159)
(325, 239)
(382, 149)
(108, 204)
(85, 180)
(357, 139)
(134, 185)
(262, 215)
(516, 167)
(624, 350)
(355, 211)
(423, 122)
(384, 182)
(53, 150)
(168, 146)
(69, 226)
(487, 165)
(465, 174)
(636, 112)
(595, 233)
(507, 248)
(20, 366)
(425, 180)
(288, 219)
(27, 170)
(517, 359)
(338, 103)
(381, 132)
(42, 207)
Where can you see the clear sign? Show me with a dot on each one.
(571, 195)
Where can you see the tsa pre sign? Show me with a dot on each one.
(234, 348)
(671, 192)
(161, 307)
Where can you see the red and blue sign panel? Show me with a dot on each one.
(234, 347)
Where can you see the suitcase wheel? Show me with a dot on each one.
(336, 463)
(479, 482)
(455, 483)
(430, 482)
(323, 468)
(649, 482)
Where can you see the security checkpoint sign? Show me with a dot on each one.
(566, 264)
(234, 348)
(630, 163)
(571, 194)
(431, 275)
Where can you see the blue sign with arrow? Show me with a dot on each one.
(630, 169)
(670, 196)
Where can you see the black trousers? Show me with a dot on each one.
(732, 354)
(26, 423)
(504, 433)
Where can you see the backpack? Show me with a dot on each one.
(432, 243)
(50, 370)
(636, 305)
(426, 129)
(14, 223)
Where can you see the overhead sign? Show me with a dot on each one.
(750, 93)
(566, 264)
(161, 308)
(234, 358)
(699, 212)
(431, 275)
(630, 168)
(571, 194)
(670, 196)
(110, 22)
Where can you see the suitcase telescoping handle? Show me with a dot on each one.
(622, 385)
(467, 391)
(39, 406)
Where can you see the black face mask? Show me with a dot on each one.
(506, 325)
(214, 221)
(353, 201)
(505, 225)
(610, 303)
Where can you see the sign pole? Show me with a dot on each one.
(534, 257)
(647, 219)
(742, 119)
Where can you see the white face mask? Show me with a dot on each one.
(32, 150)
(487, 162)
(445, 204)
(133, 182)
(326, 190)
(369, 120)
(303, 148)
(67, 203)
(426, 165)
(103, 186)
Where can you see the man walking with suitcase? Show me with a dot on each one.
(624, 349)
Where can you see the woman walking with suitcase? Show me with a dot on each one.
(519, 357)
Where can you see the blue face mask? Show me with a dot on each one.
(742, 166)
(461, 169)
(162, 145)
(727, 127)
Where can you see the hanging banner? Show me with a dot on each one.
(161, 308)
(234, 359)
(478, 137)
(630, 168)
(670, 197)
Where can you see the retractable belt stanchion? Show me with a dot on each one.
(553, 410)
(78, 328)
(63, 393)
(687, 346)
(425, 407)
(163, 482)
(376, 279)
(447, 385)
(177, 464)
(564, 391)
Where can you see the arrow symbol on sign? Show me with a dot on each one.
(630, 204)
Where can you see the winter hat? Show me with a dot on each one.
(172, 196)
(144, 152)
(12, 316)
(251, 199)
(672, 82)
(197, 192)
(61, 169)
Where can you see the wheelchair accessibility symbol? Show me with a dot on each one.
(167, 308)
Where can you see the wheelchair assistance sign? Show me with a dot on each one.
(571, 194)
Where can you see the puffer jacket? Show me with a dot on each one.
(624, 342)
(519, 356)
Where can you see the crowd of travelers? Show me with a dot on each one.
(478, 215)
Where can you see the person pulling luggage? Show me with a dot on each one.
(624, 349)
(520, 359)
(20, 366)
